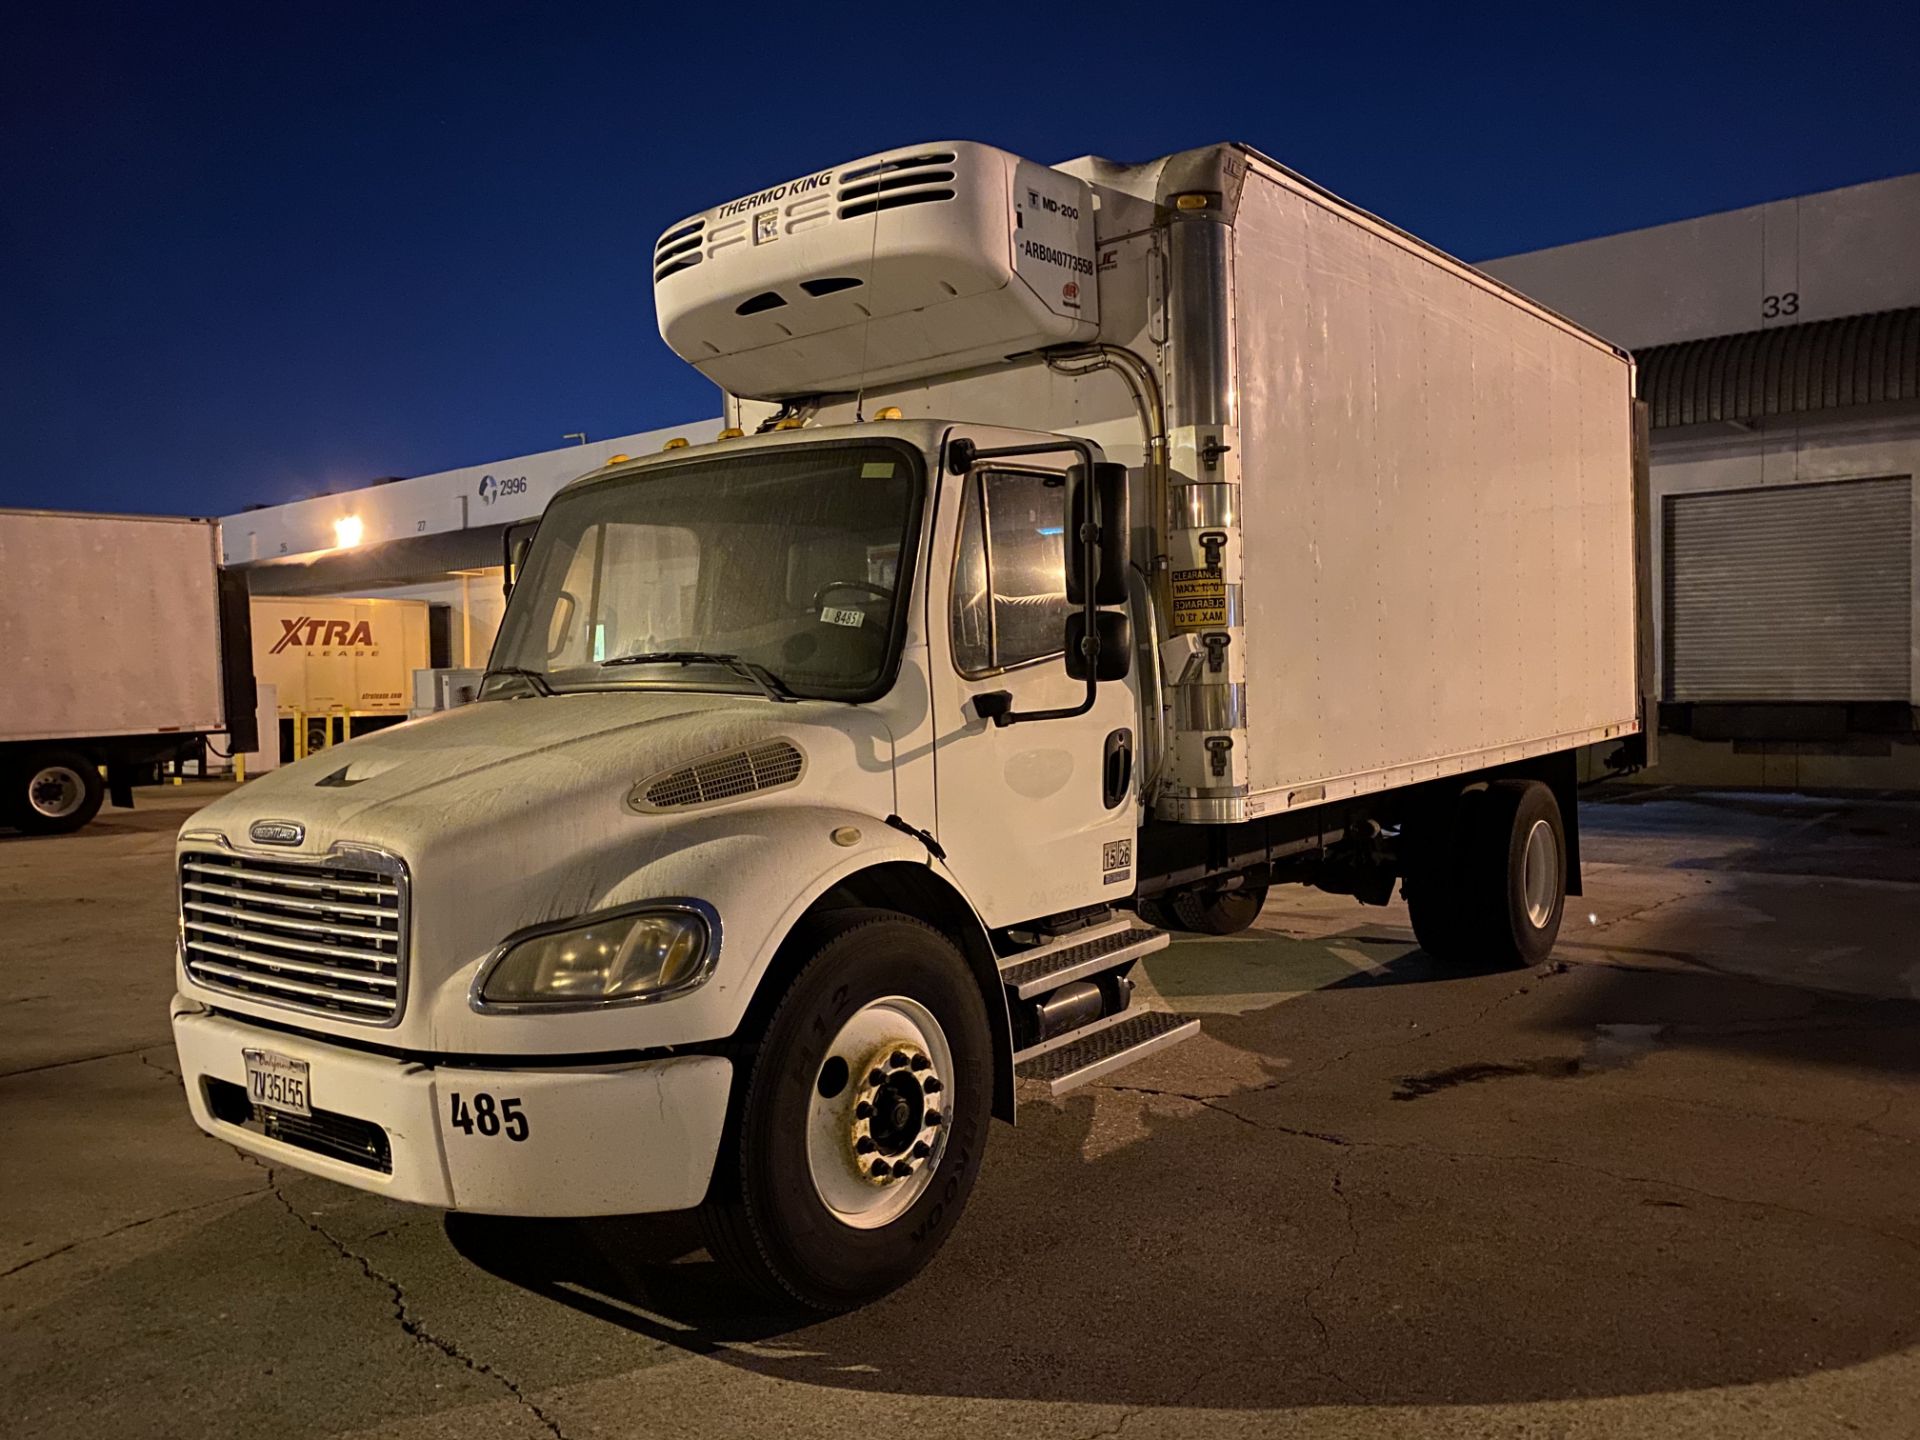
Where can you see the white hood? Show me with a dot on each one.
(510, 813)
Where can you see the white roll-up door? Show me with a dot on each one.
(1791, 592)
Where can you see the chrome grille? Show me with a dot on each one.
(724, 776)
(326, 936)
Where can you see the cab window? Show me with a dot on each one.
(1010, 586)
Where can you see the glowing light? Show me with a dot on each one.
(347, 531)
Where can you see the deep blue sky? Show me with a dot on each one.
(250, 253)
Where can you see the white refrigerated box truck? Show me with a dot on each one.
(1111, 543)
(123, 643)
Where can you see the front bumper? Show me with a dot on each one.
(599, 1140)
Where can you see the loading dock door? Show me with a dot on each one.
(1791, 592)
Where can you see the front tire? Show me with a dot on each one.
(862, 1120)
(54, 792)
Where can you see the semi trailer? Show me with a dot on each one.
(1090, 548)
(124, 644)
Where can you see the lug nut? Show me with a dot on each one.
(920, 1062)
(864, 1145)
(930, 1085)
(880, 1170)
(862, 1111)
(902, 1169)
(921, 1151)
(897, 1059)
(932, 1119)
(876, 1077)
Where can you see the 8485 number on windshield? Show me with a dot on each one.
(488, 1116)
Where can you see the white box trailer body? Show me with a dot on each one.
(1426, 480)
(1358, 530)
(111, 634)
(340, 655)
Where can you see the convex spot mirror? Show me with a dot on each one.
(1115, 550)
(1116, 645)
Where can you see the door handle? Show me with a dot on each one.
(1116, 767)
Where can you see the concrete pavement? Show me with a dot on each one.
(1665, 1184)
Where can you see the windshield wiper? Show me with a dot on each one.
(769, 683)
(535, 679)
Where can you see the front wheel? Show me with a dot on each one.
(863, 1120)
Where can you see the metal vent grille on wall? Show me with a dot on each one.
(1790, 592)
(724, 776)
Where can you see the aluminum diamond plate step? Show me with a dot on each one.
(1105, 1050)
(1037, 972)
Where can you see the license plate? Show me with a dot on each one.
(278, 1082)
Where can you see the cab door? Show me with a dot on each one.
(1036, 817)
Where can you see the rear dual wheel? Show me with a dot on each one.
(1205, 910)
(52, 792)
(1488, 882)
(861, 1122)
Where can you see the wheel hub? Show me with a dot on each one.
(56, 792)
(896, 1113)
(880, 1111)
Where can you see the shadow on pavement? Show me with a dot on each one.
(1136, 1252)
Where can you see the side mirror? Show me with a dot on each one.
(1115, 632)
(1109, 483)
(515, 541)
(516, 562)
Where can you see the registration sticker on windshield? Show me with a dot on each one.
(850, 618)
(877, 470)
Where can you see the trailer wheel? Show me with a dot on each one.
(54, 791)
(861, 1122)
(1218, 912)
(1491, 885)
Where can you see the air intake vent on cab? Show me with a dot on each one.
(727, 775)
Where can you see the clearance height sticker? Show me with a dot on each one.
(1199, 599)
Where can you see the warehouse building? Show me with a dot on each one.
(1779, 351)
(436, 538)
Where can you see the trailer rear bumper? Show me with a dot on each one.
(523, 1140)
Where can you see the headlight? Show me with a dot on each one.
(647, 952)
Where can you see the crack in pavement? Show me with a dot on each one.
(130, 1225)
(1440, 1152)
(80, 1060)
(403, 1315)
(1311, 1298)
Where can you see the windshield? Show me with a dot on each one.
(770, 571)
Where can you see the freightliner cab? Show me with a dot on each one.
(1092, 547)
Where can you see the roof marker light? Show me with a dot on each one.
(678, 442)
(889, 412)
(618, 459)
(732, 432)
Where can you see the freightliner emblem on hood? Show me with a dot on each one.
(278, 832)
